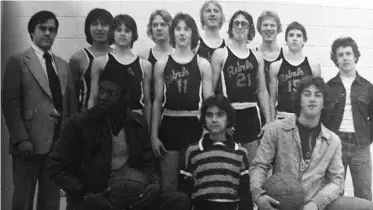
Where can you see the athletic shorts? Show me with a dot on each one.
(177, 133)
(247, 125)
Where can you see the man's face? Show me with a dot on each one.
(312, 101)
(240, 28)
(123, 36)
(44, 34)
(99, 31)
(269, 29)
(216, 120)
(212, 16)
(160, 29)
(346, 60)
(109, 94)
(295, 40)
(183, 34)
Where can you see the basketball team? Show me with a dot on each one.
(195, 122)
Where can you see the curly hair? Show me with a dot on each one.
(344, 42)
(222, 103)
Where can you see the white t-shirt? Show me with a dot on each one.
(347, 124)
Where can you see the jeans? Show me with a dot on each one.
(359, 160)
(26, 172)
(349, 203)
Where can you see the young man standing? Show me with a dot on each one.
(37, 97)
(181, 83)
(105, 140)
(300, 145)
(351, 115)
(241, 73)
(285, 74)
(96, 31)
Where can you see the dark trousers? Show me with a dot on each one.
(26, 172)
(169, 200)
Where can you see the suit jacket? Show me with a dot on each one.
(27, 100)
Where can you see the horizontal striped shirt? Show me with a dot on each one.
(216, 170)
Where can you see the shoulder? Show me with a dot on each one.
(144, 53)
(221, 52)
(202, 62)
(193, 148)
(78, 56)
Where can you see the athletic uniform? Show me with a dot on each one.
(152, 60)
(288, 77)
(134, 68)
(239, 85)
(182, 101)
(205, 51)
(84, 87)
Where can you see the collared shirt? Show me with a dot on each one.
(308, 138)
(280, 149)
(362, 107)
(40, 53)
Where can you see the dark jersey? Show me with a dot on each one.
(134, 69)
(151, 58)
(288, 77)
(239, 78)
(267, 63)
(183, 85)
(84, 86)
(205, 51)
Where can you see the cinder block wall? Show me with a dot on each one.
(323, 24)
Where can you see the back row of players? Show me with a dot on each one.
(172, 78)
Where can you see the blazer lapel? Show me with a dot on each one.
(33, 62)
(62, 73)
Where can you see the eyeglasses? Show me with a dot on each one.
(243, 24)
(50, 29)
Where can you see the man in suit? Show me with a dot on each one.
(38, 94)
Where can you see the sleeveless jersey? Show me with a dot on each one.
(85, 82)
(288, 77)
(151, 58)
(267, 63)
(183, 85)
(206, 51)
(239, 78)
(134, 69)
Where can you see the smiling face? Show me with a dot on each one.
(44, 34)
(269, 29)
(295, 40)
(212, 16)
(346, 60)
(160, 29)
(99, 31)
(240, 28)
(312, 101)
(122, 36)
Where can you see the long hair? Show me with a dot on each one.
(189, 21)
(165, 16)
(249, 18)
(99, 14)
(128, 21)
(222, 103)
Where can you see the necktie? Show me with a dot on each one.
(54, 83)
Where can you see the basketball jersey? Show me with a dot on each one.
(183, 85)
(134, 69)
(205, 51)
(288, 77)
(239, 78)
(85, 82)
(151, 58)
(267, 64)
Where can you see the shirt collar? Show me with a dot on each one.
(337, 79)
(205, 143)
(39, 52)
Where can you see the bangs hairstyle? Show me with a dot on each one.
(189, 21)
(344, 42)
(296, 26)
(247, 16)
(165, 16)
(97, 14)
(215, 3)
(265, 15)
(39, 18)
(304, 83)
(222, 103)
(128, 21)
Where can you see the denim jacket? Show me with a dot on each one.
(322, 178)
(362, 107)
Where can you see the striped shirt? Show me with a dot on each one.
(217, 170)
